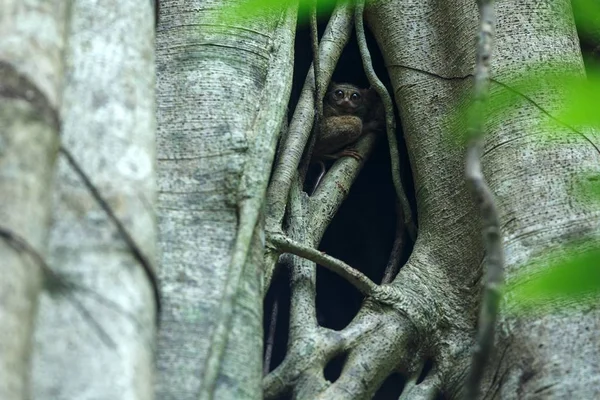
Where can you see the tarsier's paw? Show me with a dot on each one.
(344, 153)
(350, 153)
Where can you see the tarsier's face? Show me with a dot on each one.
(346, 98)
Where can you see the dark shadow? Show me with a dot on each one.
(287, 396)
(361, 234)
(590, 45)
(278, 292)
(391, 388)
(334, 367)
(425, 371)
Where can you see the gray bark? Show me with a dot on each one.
(222, 93)
(31, 70)
(96, 326)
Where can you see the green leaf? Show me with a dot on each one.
(566, 279)
(582, 102)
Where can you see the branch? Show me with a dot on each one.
(314, 37)
(303, 274)
(356, 278)
(390, 120)
(492, 236)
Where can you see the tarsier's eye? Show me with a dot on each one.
(355, 96)
(338, 94)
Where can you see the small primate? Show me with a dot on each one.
(348, 113)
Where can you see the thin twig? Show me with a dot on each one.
(390, 120)
(57, 283)
(317, 89)
(271, 337)
(21, 245)
(492, 236)
(89, 318)
(353, 276)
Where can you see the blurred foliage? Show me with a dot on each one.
(587, 18)
(259, 8)
(568, 278)
(582, 101)
(588, 190)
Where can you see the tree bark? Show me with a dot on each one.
(223, 88)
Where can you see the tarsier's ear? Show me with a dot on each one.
(368, 93)
(372, 93)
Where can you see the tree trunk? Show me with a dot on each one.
(530, 170)
(533, 167)
(222, 95)
(96, 327)
(31, 71)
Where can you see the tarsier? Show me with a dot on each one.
(348, 113)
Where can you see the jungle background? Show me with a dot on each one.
(153, 218)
